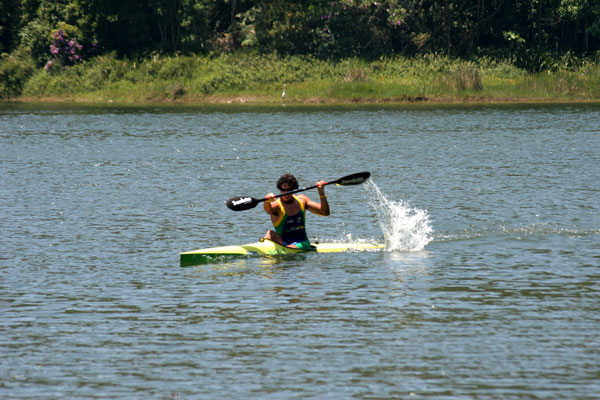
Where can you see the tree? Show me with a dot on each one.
(10, 20)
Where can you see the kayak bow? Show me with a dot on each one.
(267, 248)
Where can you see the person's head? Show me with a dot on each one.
(287, 182)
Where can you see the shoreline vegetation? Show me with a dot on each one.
(250, 78)
(323, 51)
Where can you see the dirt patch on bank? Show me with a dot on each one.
(315, 100)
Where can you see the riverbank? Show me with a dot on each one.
(263, 79)
(264, 101)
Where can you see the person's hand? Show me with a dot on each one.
(321, 188)
(270, 197)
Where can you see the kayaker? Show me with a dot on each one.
(288, 213)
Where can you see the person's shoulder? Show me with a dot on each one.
(302, 197)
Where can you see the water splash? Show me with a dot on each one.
(404, 228)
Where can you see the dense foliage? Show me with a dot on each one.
(531, 34)
(527, 30)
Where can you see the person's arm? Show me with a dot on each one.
(321, 208)
(268, 205)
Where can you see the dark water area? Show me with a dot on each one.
(488, 287)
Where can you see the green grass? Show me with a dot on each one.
(255, 78)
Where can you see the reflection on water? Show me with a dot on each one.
(409, 260)
(257, 265)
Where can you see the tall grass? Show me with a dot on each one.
(260, 78)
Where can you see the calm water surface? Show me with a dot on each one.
(489, 287)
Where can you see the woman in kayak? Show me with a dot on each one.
(288, 213)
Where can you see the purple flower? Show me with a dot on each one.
(66, 51)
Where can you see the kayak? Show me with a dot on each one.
(267, 248)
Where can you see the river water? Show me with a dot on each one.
(488, 287)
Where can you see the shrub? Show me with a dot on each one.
(15, 70)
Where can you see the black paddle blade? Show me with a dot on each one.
(241, 203)
(354, 179)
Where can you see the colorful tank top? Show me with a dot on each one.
(292, 229)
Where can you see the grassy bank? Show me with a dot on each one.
(260, 79)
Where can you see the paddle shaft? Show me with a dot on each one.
(295, 191)
(245, 202)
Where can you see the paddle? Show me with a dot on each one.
(242, 203)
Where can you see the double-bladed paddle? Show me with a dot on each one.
(242, 203)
